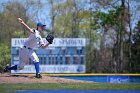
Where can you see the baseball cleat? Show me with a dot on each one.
(38, 76)
(5, 69)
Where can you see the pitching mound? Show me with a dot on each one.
(11, 78)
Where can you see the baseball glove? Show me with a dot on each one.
(50, 38)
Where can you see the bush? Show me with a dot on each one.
(5, 55)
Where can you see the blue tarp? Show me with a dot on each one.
(108, 79)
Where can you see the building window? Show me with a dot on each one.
(79, 51)
(82, 60)
(68, 60)
(53, 60)
(17, 51)
(64, 50)
(56, 60)
(50, 52)
(75, 59)
(41, 59)
(44, 60)
(30, 61)
(49, 61)
(61, 60)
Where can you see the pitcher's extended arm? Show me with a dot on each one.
(22, 22)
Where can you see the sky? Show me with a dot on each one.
(45, 17)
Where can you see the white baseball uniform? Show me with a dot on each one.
(34, 40)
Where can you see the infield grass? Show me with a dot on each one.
(8, 88)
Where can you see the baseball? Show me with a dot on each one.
(19, 19)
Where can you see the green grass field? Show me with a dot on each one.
(7, 88)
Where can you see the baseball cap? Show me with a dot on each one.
(40, 24)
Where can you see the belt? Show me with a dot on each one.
(27, 47)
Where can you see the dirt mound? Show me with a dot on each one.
(15, 78)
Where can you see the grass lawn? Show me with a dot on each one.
(7, 88)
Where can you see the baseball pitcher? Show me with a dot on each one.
(34, 40)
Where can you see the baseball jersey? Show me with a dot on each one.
(34, 40)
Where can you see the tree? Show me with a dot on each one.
(67, 17)
(115, 20)
(135, 49)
